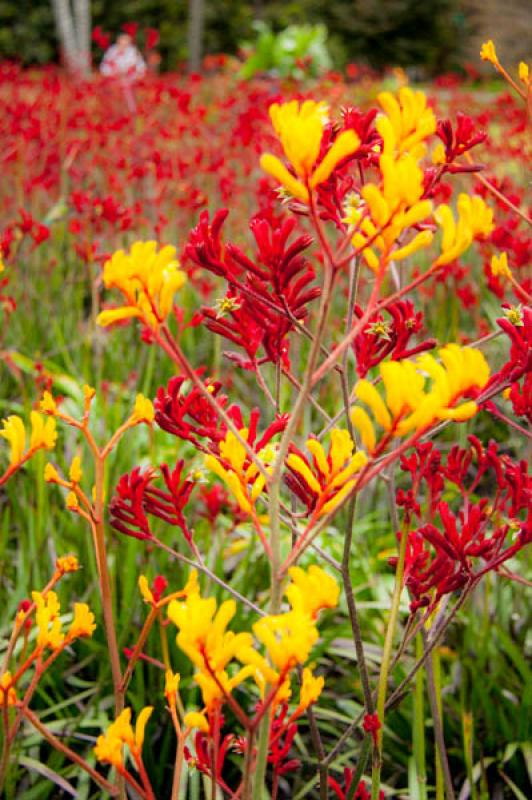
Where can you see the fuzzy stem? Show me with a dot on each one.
(150, 619)
(178, 767)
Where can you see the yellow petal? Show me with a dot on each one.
(277, 170)
(297, 464)
(196, 720)
(366, 392)
(422, 240)
(362, 422)
(344, 145)
(142, 719)
(111, 315)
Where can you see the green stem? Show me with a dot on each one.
(106, 596)
(385, 666)
(434, 683)
(248, 767)
(361, 768)
(178, 767)
(444, 779)
(105, 586)
(419, 726)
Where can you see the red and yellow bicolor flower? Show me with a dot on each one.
(475, 219)
(204, 638)
(288, 638)
(43, 436)
(408, 404)
(109, 746)
(147, 278)
(388, 209)
(325, 481)
(300, 129)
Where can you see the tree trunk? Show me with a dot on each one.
(196, 9)
(82, 19)
(73, 30)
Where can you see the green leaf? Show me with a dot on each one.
(36, 766)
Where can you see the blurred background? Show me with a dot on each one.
(432, 37)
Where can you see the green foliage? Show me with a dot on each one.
(27, 28)
(388, 33)
(359, 30)
(296, 51)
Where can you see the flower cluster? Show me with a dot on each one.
(288, 639)
(268, 295)
(110, 745)
(43, 436)
(300, 129)
(43, 612)
(410, 406)
(328, 299)
(398, 203)
(148, 280)
(457, 548)
(382, 337)
(136, 497)
(332, 476)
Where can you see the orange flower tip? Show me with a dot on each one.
(66, 564)
(83, 624)
(72, 502)
(461, 413)
(112, 315)
(51, 475)
(88, 392)
(488, 52)
(145, 590)
(142, 720)
(14, 433)
(192, 585)
(345, 145)
(7, 690)
(499, 266)
(43, 433)
(419, 242)
(311, 689)
(48, 404)
(171, 686)
(438, 155)
(143, 410)
(75, 473)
